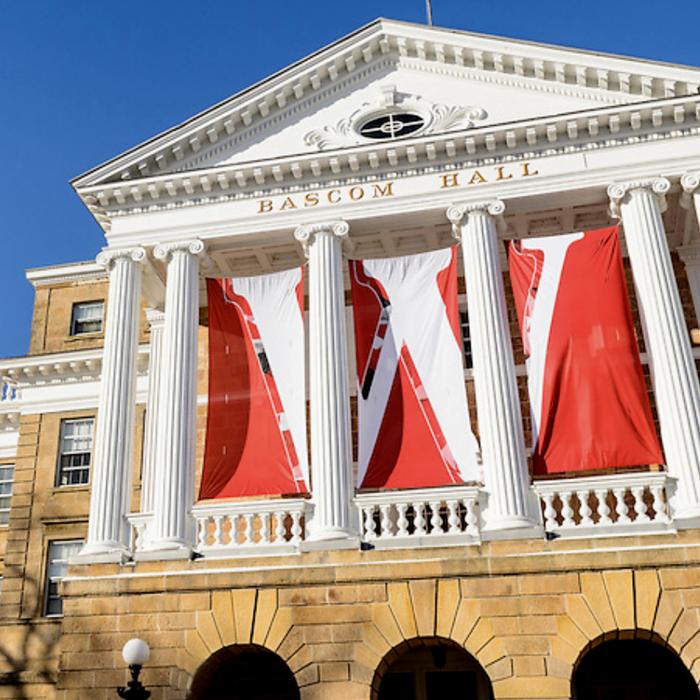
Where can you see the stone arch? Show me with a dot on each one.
(637, 660)
(243, 616)
(438, 655)
(426, 608)
(244, 672)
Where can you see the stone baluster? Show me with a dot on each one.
(108, 533)
(510, 504)
(331, 451)
(177, 398)
(639, 205)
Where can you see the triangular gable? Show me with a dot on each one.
(455, 80)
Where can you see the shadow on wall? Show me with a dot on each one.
(244, 672)
(28, 647)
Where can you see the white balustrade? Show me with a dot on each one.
(632, 503)
(414, 517)
(250, 528)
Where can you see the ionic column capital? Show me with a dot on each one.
(307, 232)
(164, 251)
(108, 256)
(619, 192)
(689, 254)
(690, 182)
(155, 317)
(458, 214)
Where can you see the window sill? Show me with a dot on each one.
(71, 487)
(84, 336)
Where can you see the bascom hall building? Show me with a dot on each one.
(384, 385)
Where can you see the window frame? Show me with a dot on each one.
(73, 330)
(60, 468)
(49, 580)
(8, 496)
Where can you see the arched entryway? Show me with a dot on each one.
(632, 669)
(244, 672)
(430, 669)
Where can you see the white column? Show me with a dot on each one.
(507, 481)
(640, 204)
(177, 398)
(690, 257)
(156, 321)
(690, 253)
(331, 449)
(114, 436)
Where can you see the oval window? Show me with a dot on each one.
(392, 126)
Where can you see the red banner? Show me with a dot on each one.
(413, 416)
(590, 409)
(256, 423)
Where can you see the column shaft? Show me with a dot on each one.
(108, 533)
(156, 321)
(690, 253)
(331, 453)
(639, 204)
(498, 405)
(177, 399)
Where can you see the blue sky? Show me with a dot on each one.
(83, 81)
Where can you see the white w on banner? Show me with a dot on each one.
(414, 427)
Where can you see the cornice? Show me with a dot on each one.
(574, 132)
(72, 272)
(434, 49)
(58, 368)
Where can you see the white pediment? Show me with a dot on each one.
(444, 80)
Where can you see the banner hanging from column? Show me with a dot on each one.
(256, 423)
(413, 415)
(588, 398)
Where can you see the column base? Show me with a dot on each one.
(102, 553)
(512, 529)
(165, 549)
(339, 541)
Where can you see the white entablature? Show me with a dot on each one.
(475, 99)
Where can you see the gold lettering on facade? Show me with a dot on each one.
(449, 180)
(500, 175)
(386, 191)
(356, 193)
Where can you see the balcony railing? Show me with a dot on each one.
(417, 517)
(622, 504)
(632, 503)
(250, 527)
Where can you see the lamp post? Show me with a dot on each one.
(135, 653)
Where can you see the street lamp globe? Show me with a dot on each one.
(136, 652)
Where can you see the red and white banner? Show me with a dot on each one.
(256, 423)
(590, 408)
(413, 416)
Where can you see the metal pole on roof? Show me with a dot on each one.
(429, 11)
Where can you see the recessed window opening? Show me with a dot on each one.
(75, 452)
(87, 317)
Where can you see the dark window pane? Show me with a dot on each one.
(460, 685)
(398, 686)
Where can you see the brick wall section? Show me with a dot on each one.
(335, 618)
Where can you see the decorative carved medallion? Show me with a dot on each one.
(393, 115)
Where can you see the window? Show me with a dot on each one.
(391, 126)
(87, 317)
(76, 452)
(7, 472)
(466, 339)
(56, 566)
